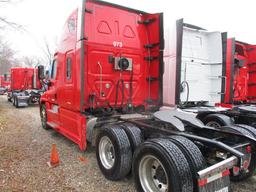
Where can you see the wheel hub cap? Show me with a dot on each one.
(106, 152)
(153, 175)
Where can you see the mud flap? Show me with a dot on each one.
(221, 184)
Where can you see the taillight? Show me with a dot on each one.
(248, 149)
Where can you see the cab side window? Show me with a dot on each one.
(54, 69)
(68, 68)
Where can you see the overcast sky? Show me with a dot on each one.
(44, 19)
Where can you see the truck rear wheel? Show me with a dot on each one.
(134, 134)
(252, 130)
(43, 115)
(217, 120)
(113, 152)
(159, 166)
(192, 154)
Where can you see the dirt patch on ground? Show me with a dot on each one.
(25, 149)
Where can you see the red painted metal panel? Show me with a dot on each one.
(229, 63)
(240, 72)
(73, 126)
(22, 79)
(251, 56)
(114, 32)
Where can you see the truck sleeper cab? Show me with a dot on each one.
(25, 87)
(105, 88)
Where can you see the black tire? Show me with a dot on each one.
(192, 154)
(252, 166)
(14, 100)
(239, 130)
(217, 119)
(176, 167)
(122, 150)
(43, 115)
(251, 129)
(134, 134)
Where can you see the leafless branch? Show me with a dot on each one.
(13, 25)
(4, 22)
(7, 57)
(47, 52)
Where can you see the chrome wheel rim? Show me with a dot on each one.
(152, 174)
(106, 152)
(213, 124)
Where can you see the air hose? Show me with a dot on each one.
(182, 86)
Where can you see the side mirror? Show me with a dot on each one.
(41, 72)
(5, 77)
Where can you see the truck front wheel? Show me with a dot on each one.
(43, 115)
(113, 152)
(16, 102)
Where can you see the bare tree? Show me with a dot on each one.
(4, 22)
(48, 52)
(31, 61)
(7, 57)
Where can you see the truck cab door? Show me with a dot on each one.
(52, 88)
(66, 98)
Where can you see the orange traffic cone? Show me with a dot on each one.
(54, 161)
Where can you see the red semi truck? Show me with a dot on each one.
(4, 83)
(25, 86)
(106, 88)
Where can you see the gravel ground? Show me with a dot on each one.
(25, 149)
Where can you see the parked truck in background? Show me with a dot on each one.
(106, 88)
(25, 87)
(4, 83)
(214, 77)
